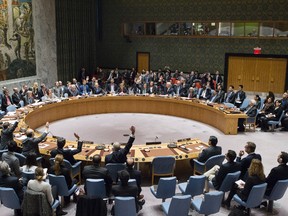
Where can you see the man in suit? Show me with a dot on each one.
(112, 88)
(8, 181)
(124, 189)
(11, 159)
(30, 144)
(95, 171)
(152, 89)
(68, 154)
(7, 133)
(119, 155)
(205, 93)
(277, 173)
(220, 94)
(217, 174)
(6, 100)
(250, 111)
(212, 150)
(84, 88)
(134, 174)
(250, 148)
(230, 96)
(16, 97)
(169, 90)
(239, 96)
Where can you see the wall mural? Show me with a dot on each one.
(17, 54)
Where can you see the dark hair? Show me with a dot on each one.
(6, 125)
(232, 86)
(96, 159)
(61, 142)
(124, 177)
(251, 146)
(213, 140)
(231, 155)
(31, 159)
(12, 146)
(258, 97)
(284, 157)
(241, 86)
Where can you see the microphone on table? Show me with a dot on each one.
(156, 138)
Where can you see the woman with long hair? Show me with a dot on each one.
(255, 176)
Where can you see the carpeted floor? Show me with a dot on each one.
(166, 128)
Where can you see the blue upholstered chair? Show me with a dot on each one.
(194, 186)
(28, 175)
(210, 204)
(201, 168)
(114, 168)
(75, 168)
(163, 166)
(60, 183)
(11, 108)
(245, 103)
(96, 188)
(1, 152)
(254, 199)
(165, 189)
(228, 181)
(251, 122)
(179, 206)
(229, 105)
(275, 123)
(9, 198)
(277, 192)
(22, 158)
(125, 206)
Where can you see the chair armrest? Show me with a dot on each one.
(76, 164)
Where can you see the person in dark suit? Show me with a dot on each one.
(16, 97)
(112, 88)
(95, 171)
(68, 154)
(277, 173)
(218, 78)
(84, 88)
(205, 93)
(6, 100)
(7, 133)
(134, 174)
(119, 155)
(97, 89)
(30, 144)
(210, 151)
(11, 159)
(220, 94)
(240, 96)
(218, 173)
(255, 176)
(59, 169)
(250, 148)
(152, 89)
(274, 116)
(169, 90)
(127, 190)
(230, 96)
(250, 111)
(8, 181)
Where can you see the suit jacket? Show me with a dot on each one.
(7, 135)
(209, 152)
(30, 144)
(16, 98)
(67, 153)
(97, 172)
(108, 89)
(13, 162)
(277, 173)
(241, 94)
(169, 91)
(4, 103)
(246, 161)
(87, 206)
(250, 182)
(152, 91)
(251, 111)
(230, 97)
(225, 169)
(135, 174)
(12, 182)
(277, 112)
(219, 97)
(98, 90)
(121, 155)
(84, 89)
(207, 94)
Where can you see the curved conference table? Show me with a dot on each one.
(38, 114)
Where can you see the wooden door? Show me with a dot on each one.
(143, 61)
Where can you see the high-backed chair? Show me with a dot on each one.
(179, 206)
(245, 103)
(163, 166)
(60, 183)
(36, 203)
(9, 198)
(114, 168)
(201, 168)
(250, 122)
(75, 168)
(277, 192)
(228, 182)
(1, 152)
(165, 189)
(194, 186)
(96, 188)
(21, 157)
(229, 105)
(254, 199)
(210, 204)
(125, 206)
(28, 175)
(275, 123)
